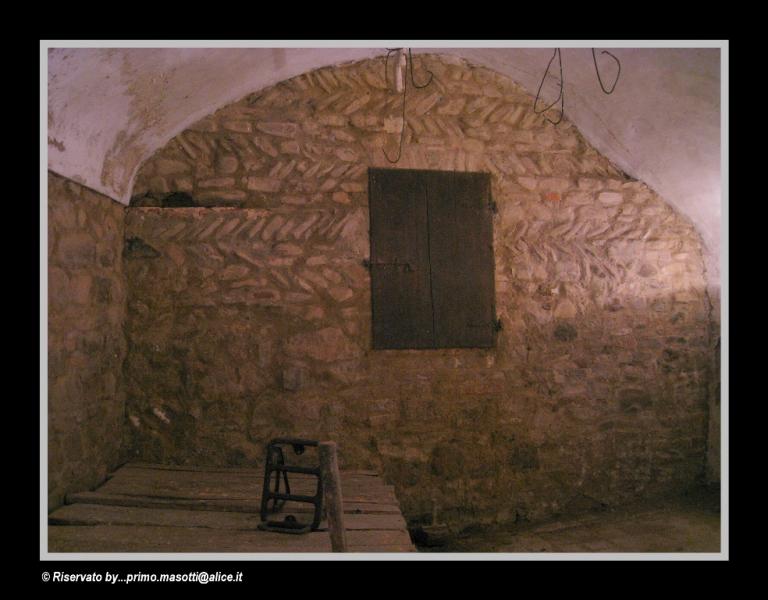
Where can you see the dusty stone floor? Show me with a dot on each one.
(689, 523)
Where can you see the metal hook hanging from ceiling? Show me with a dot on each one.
(409, 60)
(560, 97)
(600, 79)
(413, 81)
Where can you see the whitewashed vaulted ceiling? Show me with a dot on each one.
(109, 109)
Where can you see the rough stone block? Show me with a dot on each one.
(226, 164)
(220, 182)
(293, 378)
(171, 167)
(239, 126)
(325, 345)
(610, 198)
(77, 250)
(264, 184)
(285, 129)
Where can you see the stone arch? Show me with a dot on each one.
(257, 303)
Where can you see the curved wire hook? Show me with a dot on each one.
(599, 79)
(536, 101)
(386, 65)
(560, 97)
(402, 131)
(413, 81)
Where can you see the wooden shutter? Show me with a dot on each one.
(401, 299)
(432, 283)
(461, 256)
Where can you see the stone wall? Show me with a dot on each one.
(249, 313)
(86, 343)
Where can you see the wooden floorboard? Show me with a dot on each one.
(142, 538)
(223, 504)
(239, 486)
(101, 514)
(146, 507)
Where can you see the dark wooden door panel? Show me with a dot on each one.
(400, 281)
(432, 268)
(461, 256)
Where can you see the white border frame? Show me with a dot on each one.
(723, 45)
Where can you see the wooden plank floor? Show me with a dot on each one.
(159, 508)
